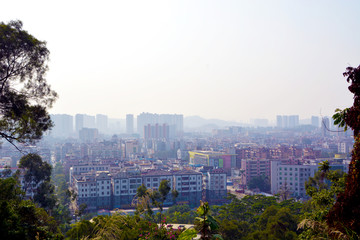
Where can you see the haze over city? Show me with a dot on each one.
(231, 60)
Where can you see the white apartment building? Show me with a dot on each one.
(215, 186)
(117, 190)
(187, 181)
(152, 179)
(86, 168)
(189, 186)
(124, 187)
(291, 178)
(93, 189)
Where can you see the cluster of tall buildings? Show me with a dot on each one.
(286, 121)
(172, 123)
(149, 125)
(65, 126)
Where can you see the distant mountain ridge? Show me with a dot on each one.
(202, 124)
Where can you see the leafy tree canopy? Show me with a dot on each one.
(261, 182)
(344, 215)
(21, 219)
(24, 93)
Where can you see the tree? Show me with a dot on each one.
(36, 171)
(276, 223)
(24, 92)
(323, 189)
(21, 219)
(6, 172)
(142, 201)
(344, 215)
(205, 223)
(261, 182)
(45, 195)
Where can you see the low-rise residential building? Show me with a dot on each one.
(85, 168)
(94, 190)
(102, 190)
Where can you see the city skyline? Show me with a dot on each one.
(231, 60)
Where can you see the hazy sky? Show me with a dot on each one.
(232, 60)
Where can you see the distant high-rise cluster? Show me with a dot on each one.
(285, 121)
(157, 131)
(315, 121)
(129, 124)
(102, 123)
(63, 125)
(174, 121)
(84, 121)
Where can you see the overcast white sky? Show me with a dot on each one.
(232, 60)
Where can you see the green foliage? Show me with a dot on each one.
(188, 234)
(61, 211)
(234, 230)
(339, 118)
(344, 215)
(276, 223)
(180, 214)
(252, 217)
(45, 195)
(147, 198)
(37, 180)
(323, 189)
(21, 219)
(6, 173)
(206, 224)
(24, 92)
(245, 209)
(161, 231)
(120, 226)
(261, 182)
(164, 189)
(36, 170)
